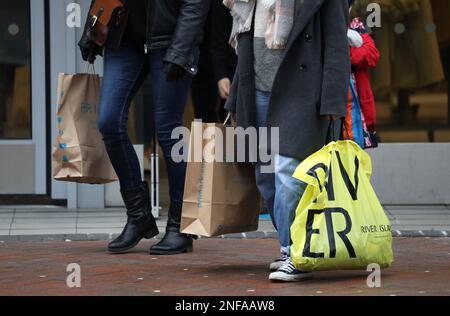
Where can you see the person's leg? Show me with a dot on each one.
(289, 191)
(124, 71)
(169, 106)
(264, 181)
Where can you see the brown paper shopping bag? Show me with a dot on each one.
(220, 197)
(79, 154)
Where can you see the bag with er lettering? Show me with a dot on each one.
(340, 223)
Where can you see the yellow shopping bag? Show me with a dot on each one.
(340, 223)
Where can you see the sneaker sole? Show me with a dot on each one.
(281, 278)
(151, 234)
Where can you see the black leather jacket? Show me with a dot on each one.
(176, 25)
(173, 24)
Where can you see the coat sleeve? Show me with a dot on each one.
(231, 103)
(220, 36)
(191, 19)
(336, 58)
(367, 56)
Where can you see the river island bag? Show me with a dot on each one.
(340, 223)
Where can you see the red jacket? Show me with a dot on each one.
(362, 59)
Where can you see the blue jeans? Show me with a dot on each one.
(125, 71)
(280, 190)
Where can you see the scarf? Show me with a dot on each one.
(279, 23)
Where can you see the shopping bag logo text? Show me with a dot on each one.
(329, 212)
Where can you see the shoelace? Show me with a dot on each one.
(288, 267)
(283, 258)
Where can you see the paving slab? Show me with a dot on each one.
(43, 208)
(103, 230)
(43, 225)
(5, 224)
(102, 214)
(101, 220)
(43, 231)
(94, 226)
(102, 210)
(428, 218)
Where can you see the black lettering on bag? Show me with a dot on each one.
(353, 190)
(343, 234)
(330, 230)
(309, 232)
(312, 172)
(330, 186)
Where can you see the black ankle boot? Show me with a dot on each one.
(140, 224)
(174, 242)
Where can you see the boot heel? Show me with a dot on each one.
(152, 233)
(189, 249)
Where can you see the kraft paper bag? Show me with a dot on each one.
(79, 154)
(220, 197)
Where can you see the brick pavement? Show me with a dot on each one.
(217, 267)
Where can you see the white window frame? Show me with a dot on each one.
(38, 97)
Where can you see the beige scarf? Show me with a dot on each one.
(279, 24)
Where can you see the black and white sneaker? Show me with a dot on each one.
(278, 263)
(289, 273)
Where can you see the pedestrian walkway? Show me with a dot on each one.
(217, 267)
(27, 223)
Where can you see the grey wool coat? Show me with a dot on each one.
(312, 81)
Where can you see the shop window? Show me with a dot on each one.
(15, 73)
(411, 82)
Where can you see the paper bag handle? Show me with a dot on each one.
(229, 118)
(89, 66)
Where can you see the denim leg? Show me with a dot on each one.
(288, 194)
(170, 98)
(124, 72)
(264, 181)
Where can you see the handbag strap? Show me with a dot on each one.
(331, 134)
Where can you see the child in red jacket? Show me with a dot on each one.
(362, 58)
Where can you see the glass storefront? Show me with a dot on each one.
(15, 70)
(410, 82)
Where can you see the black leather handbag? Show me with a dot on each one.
(105, 26)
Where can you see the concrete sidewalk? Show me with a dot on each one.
(25, 223)
(218, 267)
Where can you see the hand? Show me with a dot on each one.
(354, 39)
(88, 49)
(87, 55)
(224, 88)
(334, 117)
(174, 72)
